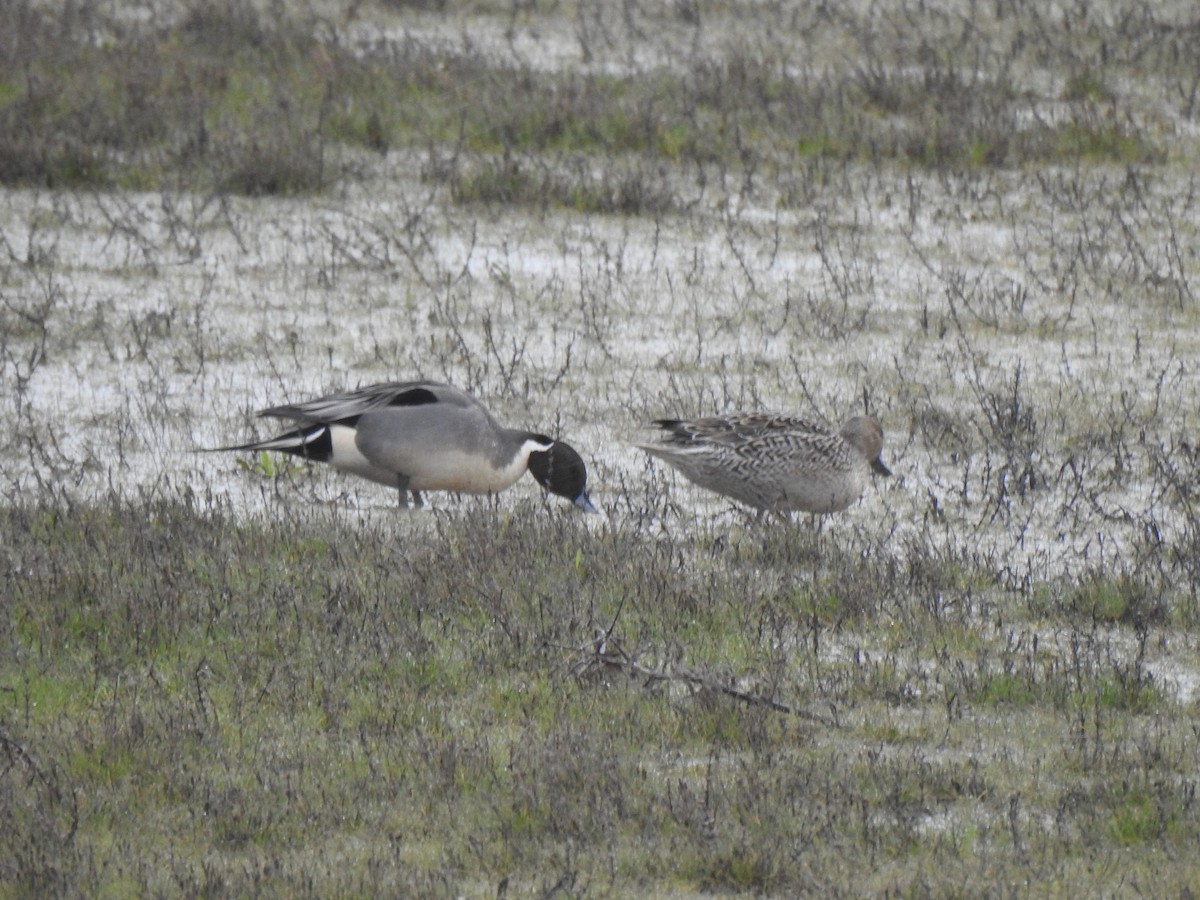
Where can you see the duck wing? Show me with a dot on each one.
(736, 429)
(349, 405)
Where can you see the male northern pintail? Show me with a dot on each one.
(424, 436)
(774, 462)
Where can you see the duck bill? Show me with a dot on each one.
(584, 502)
(880, 468)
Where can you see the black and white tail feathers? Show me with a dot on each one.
(313, 442)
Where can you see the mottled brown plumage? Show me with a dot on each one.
(775, 462)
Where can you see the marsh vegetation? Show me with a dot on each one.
(225, 676)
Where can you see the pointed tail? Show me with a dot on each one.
(312, 442)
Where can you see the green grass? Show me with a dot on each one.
(300, 699)
(224, 99)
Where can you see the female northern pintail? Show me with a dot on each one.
(424, 436)
(773, 462)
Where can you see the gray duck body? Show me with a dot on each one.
(424, 436)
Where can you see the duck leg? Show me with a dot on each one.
(402, 484)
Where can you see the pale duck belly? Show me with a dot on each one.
(465, 472)
(431, 471)
(822, 493)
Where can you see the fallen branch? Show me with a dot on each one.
(604, 653)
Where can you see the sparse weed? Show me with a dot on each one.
(192, 98)
(212, 683)
(220, 647)
(269, 465)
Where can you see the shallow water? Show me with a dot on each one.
(1029, 354)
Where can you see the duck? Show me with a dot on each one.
(774, 462)
(418, 436)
